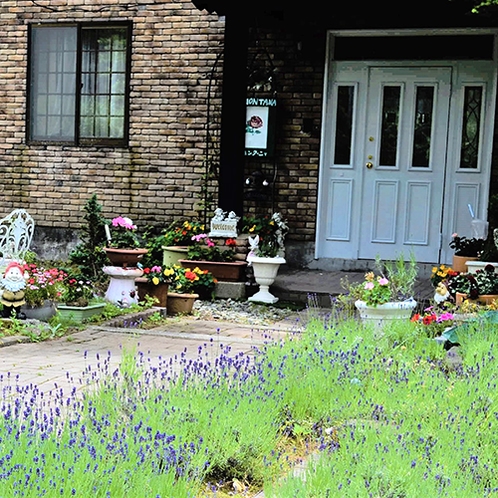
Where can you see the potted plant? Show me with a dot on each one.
(466, 249)
(44, 287)
(266, 253)
(176, 238)
(186, 286)
(388, 294)
(154, 283)
(218, 259)
(123, 245)
(480, 286)
(77, 298)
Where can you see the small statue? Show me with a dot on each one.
(12, 286)
(233, 216)
(219, 214)
(442, 293)
(253, 245)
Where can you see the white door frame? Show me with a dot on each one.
(459, 183)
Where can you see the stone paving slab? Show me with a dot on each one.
(61, 363)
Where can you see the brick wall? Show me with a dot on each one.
(298, 62)
(156, 178)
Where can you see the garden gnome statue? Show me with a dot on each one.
(12, 286)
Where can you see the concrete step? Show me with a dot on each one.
(295, 285)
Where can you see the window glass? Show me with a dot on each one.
(344, 124)
(58, 84)
(471, 127)
(390, 124)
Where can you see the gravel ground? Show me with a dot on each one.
(244, 312)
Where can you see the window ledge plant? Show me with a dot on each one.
(269, 235)
(123, 234)
(205, 249)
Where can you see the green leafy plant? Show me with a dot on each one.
(205, 249)
(394, 281)
(483, 281)
(88, 255)
(466, 247)
(123, 234)
(77, 290)
(271, 231)
(180, 233)
(188, 281)
(43, 284)
(156, 275)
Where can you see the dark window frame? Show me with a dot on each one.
(78, 141)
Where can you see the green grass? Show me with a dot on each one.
(384, 417)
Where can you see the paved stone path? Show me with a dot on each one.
(60, 363)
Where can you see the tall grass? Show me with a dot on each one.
(386, 415)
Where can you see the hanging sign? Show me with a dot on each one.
(260, 126)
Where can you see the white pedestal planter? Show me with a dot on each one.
(265, 272)
(122, 290)
(377, 315)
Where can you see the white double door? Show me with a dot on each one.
(386, 185)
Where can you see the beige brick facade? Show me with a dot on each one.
(157, 178)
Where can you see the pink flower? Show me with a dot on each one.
(369, 285)
(383, 281)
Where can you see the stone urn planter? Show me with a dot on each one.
(225, 271)
(180, 304)
(124, 258)
(377, 315)
(79, 313)
(265, 272)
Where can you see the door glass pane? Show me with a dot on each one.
(471, 127)
(423, 126)
(344, 124)
(389, 127)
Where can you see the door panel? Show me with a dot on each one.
(405, 148)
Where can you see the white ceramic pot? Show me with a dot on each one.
(385, 312)
(265, 272)
(473, 266)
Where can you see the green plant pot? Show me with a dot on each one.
(173, 254)
(79, 313)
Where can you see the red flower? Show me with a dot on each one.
(146, 271)
(231, 242)
(415, 317)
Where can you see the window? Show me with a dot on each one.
(77, 88)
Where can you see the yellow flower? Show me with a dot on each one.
(252, 228)
(168, 272)
(155, 280)
(369, 277)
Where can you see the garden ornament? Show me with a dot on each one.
(12, 293)
(253, 245)
(442, 293)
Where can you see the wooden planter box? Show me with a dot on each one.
(233, 271)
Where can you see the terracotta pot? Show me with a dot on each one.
(460, 262)
(124, 257)
(460, 297)
(159, 291)
(180, 304)
(225, 271)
